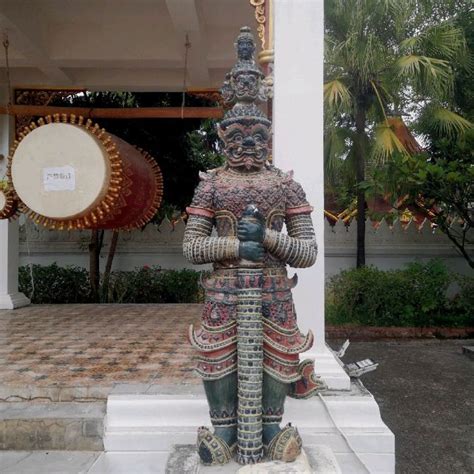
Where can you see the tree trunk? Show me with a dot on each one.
(95, 246)
(108, 266)
(360, 150)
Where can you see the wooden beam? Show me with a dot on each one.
(114, 113)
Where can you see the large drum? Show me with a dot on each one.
(8, 205)
(71, 174)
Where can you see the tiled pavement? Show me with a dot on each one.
(67, 352)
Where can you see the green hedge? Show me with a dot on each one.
(153, 285)
(56, 285)
(413, 296)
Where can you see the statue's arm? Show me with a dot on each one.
(198, 245)
(298, 248)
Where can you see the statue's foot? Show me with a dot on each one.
(212, 449)
(285, 445)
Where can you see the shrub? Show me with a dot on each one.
(54, 284)
(427, 285)
(461, 307)
(414, 296)
(181, 286)
(153, 285)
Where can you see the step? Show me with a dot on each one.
(347, 422)
(183, 459)
(56, 426)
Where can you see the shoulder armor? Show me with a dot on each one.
(287, 176)
(209, 174)
(205, 175)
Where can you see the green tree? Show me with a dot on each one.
(440, 181)
(384, 58)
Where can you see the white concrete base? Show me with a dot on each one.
(13, 301)
(328, 367)
(348, 422)
(326, 464)
(10, 298)
(152, 462)
(315, 460)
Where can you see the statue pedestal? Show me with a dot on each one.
(157, 418)
(317, 460)
(327, 366)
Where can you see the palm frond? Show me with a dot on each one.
(444, 122)
(337, 145)
(428, 74)
(337, 95)
(443, 41)
(386, 143)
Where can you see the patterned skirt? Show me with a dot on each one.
(216, 339)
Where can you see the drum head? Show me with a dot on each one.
(60, 171)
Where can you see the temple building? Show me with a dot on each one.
(187, 45)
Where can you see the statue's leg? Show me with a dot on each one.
(218, 447)
(281, 444)
(274, 394)
(222, 398)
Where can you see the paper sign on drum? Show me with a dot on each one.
(59, 178)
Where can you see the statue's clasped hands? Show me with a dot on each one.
(251, 233)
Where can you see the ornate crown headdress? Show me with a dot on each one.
(244, 85)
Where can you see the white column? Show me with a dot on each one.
(10, 298)
(298, 146)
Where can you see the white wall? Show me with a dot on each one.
(386, 248)
(298, 133)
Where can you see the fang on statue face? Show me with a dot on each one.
(246, 146)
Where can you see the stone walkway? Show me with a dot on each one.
(424, 388)
(65, 352)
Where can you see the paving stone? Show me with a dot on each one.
(28, 410)
(51, 462)
(127, 388)
(93, 428)
(75, 426)
(73, 438)
(2, 435)
(68, 352)
(20, 434)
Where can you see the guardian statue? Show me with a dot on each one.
(248, 342)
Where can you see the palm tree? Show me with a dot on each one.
(383, 59)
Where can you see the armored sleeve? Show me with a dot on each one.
(198, 245)
(298, 248)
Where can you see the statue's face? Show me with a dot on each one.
(246, 146)
(246, 48)
(246, 86)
